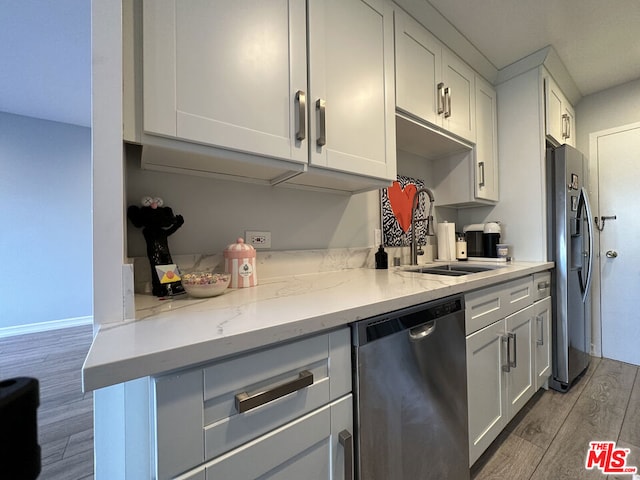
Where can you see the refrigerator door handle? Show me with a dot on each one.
(589, 275)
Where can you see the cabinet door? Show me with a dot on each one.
(485, 384)
(486, 171)
(351, 87)
(542, 342)
(520, 382)
(459, 113)
(553, 111)
(308, 448)
(226, 73)
(418, 69)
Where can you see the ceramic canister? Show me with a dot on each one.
(240, 262)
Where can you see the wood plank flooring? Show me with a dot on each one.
(65, 415)
(550, 437)
(547, 440)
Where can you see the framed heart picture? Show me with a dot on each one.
(395, 206)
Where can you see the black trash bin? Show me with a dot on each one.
(19, 449)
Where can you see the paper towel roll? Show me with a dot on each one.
(446, 234)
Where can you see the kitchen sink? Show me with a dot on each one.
(455, 270)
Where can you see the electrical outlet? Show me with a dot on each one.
(259, 240)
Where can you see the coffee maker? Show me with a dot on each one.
(482, 239)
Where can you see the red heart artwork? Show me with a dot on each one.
(401, 200)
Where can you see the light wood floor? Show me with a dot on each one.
(65, 415)
(547, 440)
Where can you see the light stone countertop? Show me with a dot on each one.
(173, 334)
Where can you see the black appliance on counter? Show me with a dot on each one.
(482, 239)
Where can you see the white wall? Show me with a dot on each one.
(601, 111)
(45, 200)
(607, 109)
(217, 212)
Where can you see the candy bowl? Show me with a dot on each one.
(205, 284)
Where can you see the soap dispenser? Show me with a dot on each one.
(381, 258)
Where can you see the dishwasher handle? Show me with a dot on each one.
(422, 331)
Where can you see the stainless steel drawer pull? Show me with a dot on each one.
(244, 402)
(322, 130)
(301, 131)
(346, 440)
(543, 285)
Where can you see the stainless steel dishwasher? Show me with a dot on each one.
(410, 377)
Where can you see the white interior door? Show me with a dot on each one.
(618, 153)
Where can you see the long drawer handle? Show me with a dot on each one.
(301, 131)
(244, 402)
(346, 440)
(322, 128)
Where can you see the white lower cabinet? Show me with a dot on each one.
(542, 342)
(284, 412)
(503, 369)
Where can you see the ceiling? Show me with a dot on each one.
(46, 46)
(597, 40)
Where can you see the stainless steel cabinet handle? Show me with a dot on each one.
(507, 366)
(322, 133)
(540, 340)
(566, 126)
(447, 105)
(301, 131)
(543, 285)
(481, 167)
(244, 402)
(514, 363)
(440, 98)
(346, 440)
(611, 254)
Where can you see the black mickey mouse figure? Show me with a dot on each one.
(157, 223)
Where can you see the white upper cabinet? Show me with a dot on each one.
(309, 86)
(487, 181)
(431, 82)
(559, 114)
(351, 85)
(226, 73)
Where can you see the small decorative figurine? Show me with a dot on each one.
(157, 223)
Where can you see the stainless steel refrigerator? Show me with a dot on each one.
(570, 246)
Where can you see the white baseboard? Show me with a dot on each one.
(45, 326)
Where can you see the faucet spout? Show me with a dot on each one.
(428, 219)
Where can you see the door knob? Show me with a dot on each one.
(611, 254)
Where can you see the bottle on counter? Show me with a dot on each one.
(382, 260)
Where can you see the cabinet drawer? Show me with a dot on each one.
(485, 306)
(199, 416)
(542, 285)
(300, 449)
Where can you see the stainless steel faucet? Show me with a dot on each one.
(428, 219)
